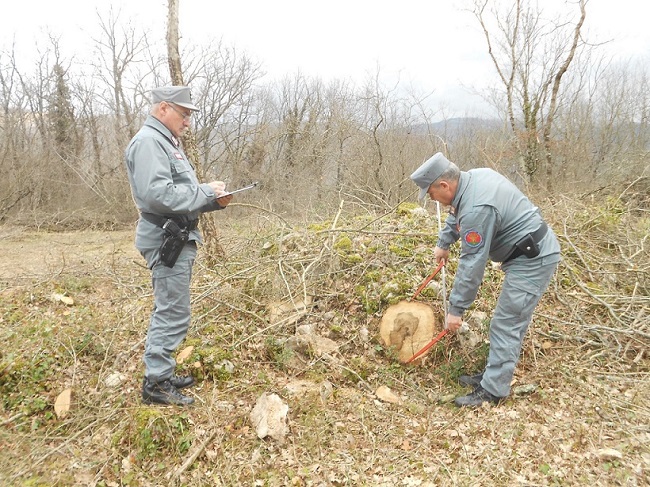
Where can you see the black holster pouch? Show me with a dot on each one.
(527, 246)
(173, 242)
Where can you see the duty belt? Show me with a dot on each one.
(160, 220)
(537, 236)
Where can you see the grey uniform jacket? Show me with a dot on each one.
(488, 214)
(163, 182)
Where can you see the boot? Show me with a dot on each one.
(477, 397)
(163, 393)
(471, 380)
(181, 382)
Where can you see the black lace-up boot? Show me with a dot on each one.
(163, 393)
(477, 397)
(181, 382)
(471, 380)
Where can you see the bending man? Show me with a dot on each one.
(492, 219)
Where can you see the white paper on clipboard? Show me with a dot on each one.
(235, 191)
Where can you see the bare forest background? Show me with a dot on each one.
(313, 257)
(567, 119)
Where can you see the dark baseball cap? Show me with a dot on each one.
(178, 95)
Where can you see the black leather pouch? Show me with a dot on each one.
(173, 242)
(528, 246)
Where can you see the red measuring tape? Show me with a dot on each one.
(428, 279)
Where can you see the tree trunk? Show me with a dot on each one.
(211, 245)
(548, 126)
(526, 53)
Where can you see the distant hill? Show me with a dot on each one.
(455, 126)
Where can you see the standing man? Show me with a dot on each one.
(170, 199)
(493, 219)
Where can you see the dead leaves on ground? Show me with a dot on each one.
(62, 298)
(63, 403)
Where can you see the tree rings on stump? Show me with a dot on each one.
(407, 326)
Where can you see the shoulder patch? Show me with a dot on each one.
(473, 238)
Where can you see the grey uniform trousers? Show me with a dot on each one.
(524, 283)
(170, 318)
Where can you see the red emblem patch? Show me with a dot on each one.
(473, 238)
(179, 156)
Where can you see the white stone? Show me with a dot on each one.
(115, 379)
(269, 417)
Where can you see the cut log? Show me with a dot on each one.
(408, 326)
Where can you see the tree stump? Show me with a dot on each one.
(408, 326)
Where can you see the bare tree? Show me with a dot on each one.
(52, 157)
(376, 101)
(212, 245)
(394, 136)
(293, 114)
(225, 79)
(13, 140)
(343, 127)
(120, 51)
(531, 57)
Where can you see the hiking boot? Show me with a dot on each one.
(471, 380)
(477, 397)
(181, 382)
(163, 393)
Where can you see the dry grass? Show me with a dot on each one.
(586, 423)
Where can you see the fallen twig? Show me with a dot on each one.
(195, 454)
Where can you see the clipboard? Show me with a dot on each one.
(245, 188)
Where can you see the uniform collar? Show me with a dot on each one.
(463, 182)
(156, 124)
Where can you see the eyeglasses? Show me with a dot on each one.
(186, 116)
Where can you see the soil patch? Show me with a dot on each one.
(27, 255)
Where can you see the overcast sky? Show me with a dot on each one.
(433, 45)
